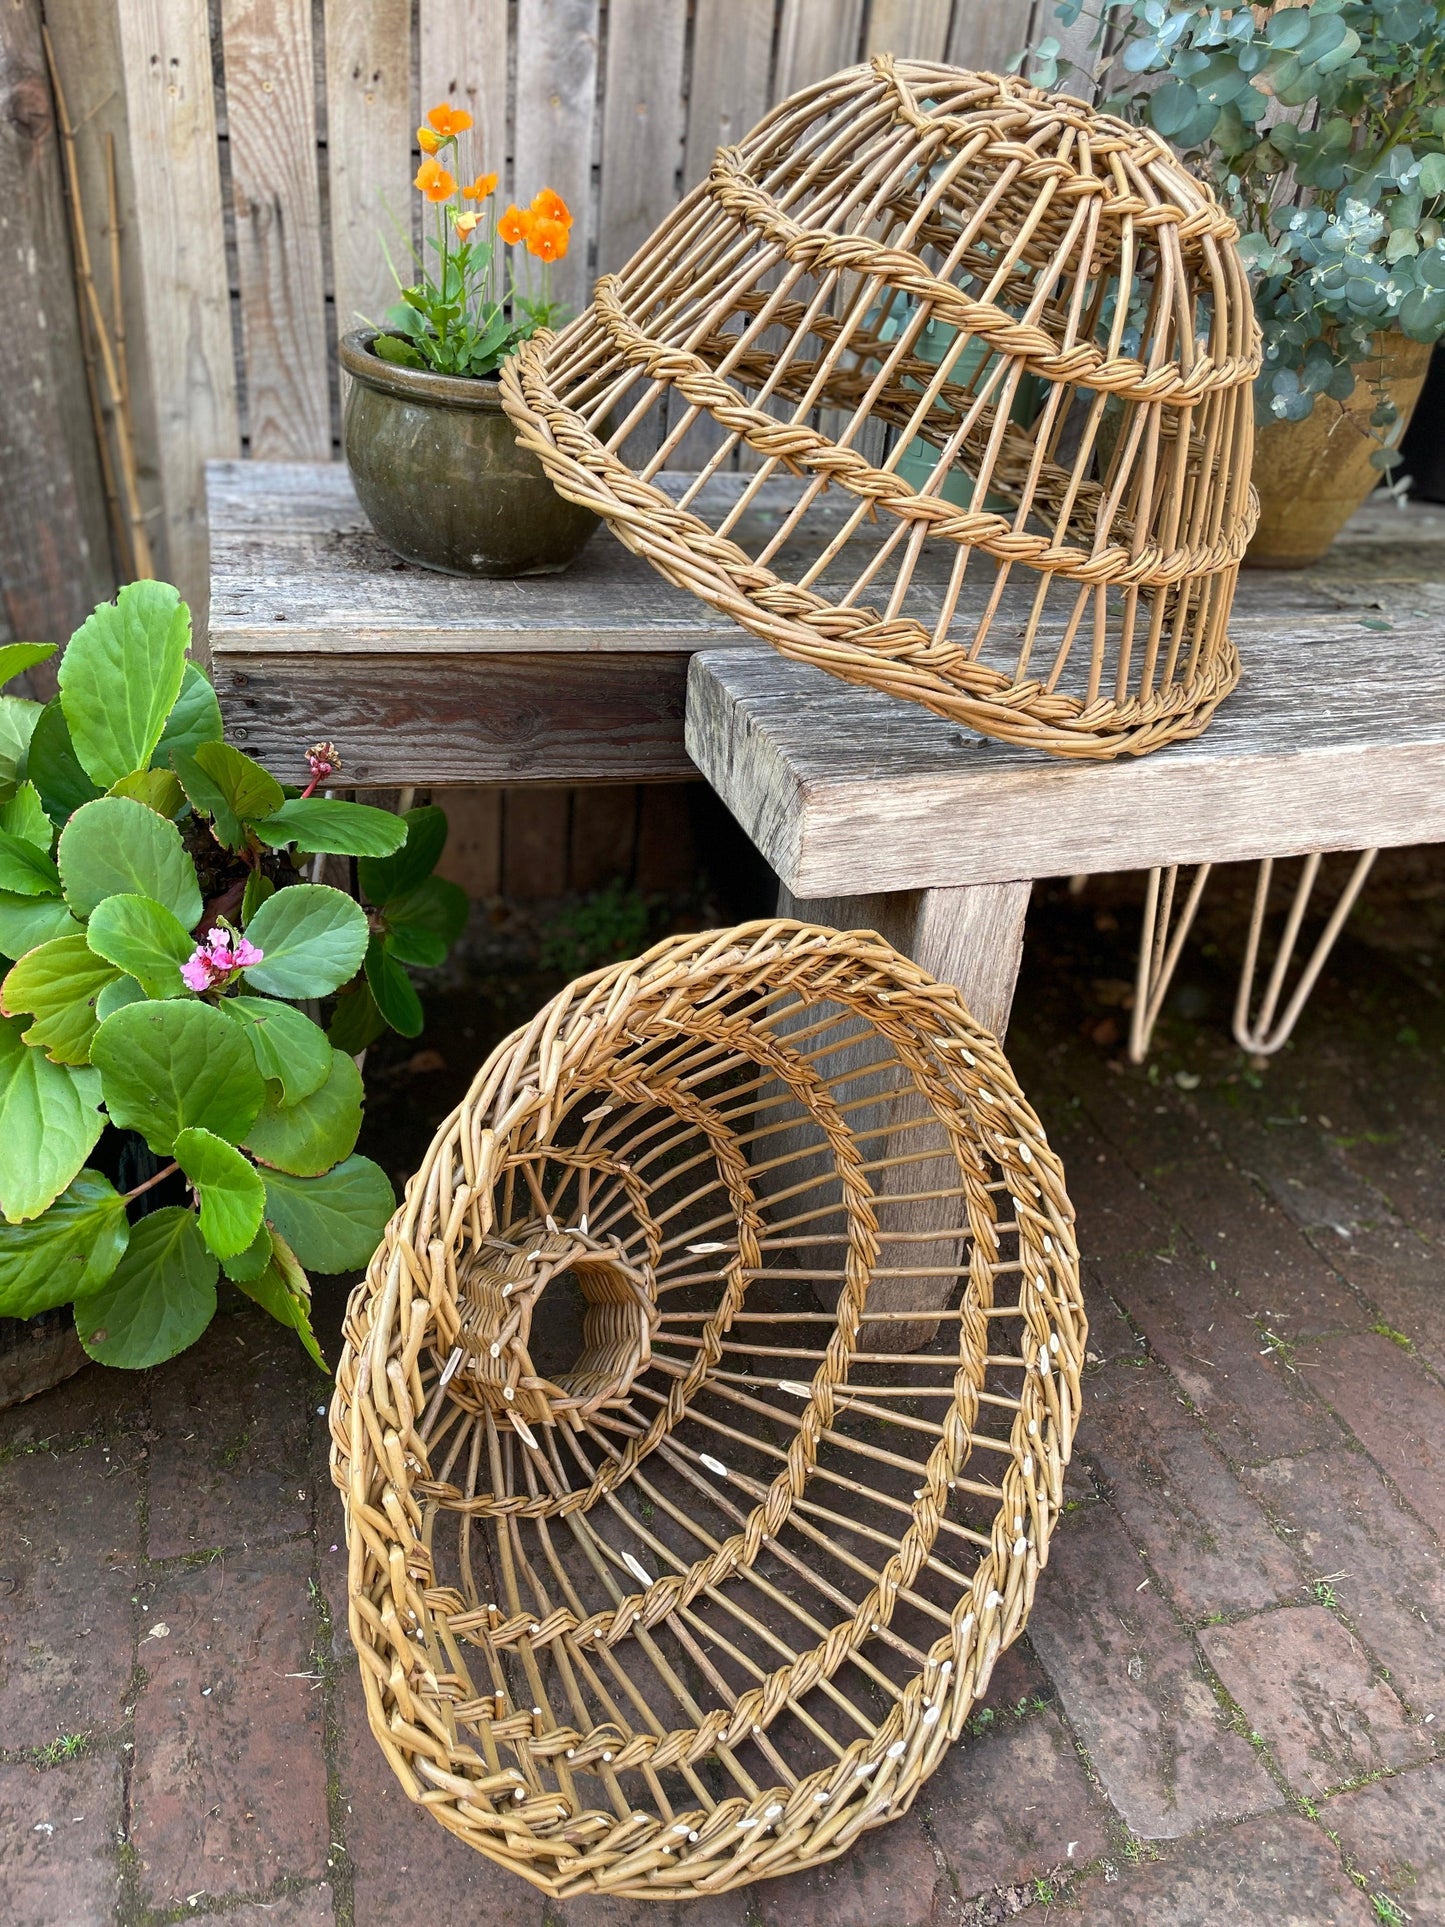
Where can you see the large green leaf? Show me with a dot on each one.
(165, 1066)
(319, 825)
(25, 870)
(18, 718)
(27, 921)
(423, 923)
(282, 1288)
(141, 936)
(233, 1198)
(58, 982)
(196, 719)
(54, 767)
(50, 1118)
(356, 1021)
(23, 814)
(382, 878)
(117, 847)
(159, 789)
(335, 1222)
(120, 677)
(18, 656)
(290, 1049)
(393, 990)
(69, 1250)
(116, 995)
(230, 788)
(308, 1138)
(250, 1263)
(160, 1297)
(314, 939)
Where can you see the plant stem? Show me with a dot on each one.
(165, 1171)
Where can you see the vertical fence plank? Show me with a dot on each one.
(815, 38)
(54, 547)
(166, 53)
(642, 125)
(368, 150)
(534, 842)
(463, 60)
(473, 853)
(987, 34)
(604, 836)
(271, 119)
(556, 110)
(732, 46)
(912, 29)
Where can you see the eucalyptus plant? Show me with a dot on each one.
(1321, 126)
(157, 934)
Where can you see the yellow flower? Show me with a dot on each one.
(549, 206)
(427, 141)
(449, 121)
(547, 239)
(433, 180)
(465, 223)
(481, 187)
(515, 225)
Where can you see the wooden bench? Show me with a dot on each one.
(875, 813)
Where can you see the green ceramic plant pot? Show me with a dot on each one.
(440, 476)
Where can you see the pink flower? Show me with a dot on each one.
(323, 760)
(247, 954)
(197, 971)
(218, 959)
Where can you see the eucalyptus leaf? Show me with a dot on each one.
(159, 1299)
(335, 1222)
(166, 1066)
(120, 676)
(309, 1137)
(27, 921)
(290, 1050)
(317, 825)
(231, 1193)
(58, 983)
(67, 1251)
(116, 847)
(50, 1119)
(382, 878)
(140, 936)
(313, 939)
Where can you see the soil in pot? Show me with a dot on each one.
(440, 477)
(1313, 474)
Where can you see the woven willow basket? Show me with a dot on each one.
(663, 1576)
(984, 358)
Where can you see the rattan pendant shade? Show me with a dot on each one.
(664, 1577)
(984, 358)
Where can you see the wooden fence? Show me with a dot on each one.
(232, 165)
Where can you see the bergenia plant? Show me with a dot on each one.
(158, 933)
(1321, 126)
(474, 299)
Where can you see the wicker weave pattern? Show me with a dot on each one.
(705, 1603)
(1009, 333)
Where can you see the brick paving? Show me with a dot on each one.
(1230, 1703)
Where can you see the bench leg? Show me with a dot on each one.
(971, 937)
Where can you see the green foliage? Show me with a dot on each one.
(1321, 128)
(127, 1001)
(597, 930)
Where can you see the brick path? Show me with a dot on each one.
(1227, 1705)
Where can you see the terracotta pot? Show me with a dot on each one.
(1313, 474)
(440, 476)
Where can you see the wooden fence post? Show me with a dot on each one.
(55, 560)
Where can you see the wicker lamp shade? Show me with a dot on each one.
(669, 1569)
(984, 359)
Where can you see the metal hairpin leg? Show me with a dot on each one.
(1159, 951)
(1263, 1034)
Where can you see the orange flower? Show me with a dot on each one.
(427, 141)
(547, 239)
(515, 225)
(465, 223)
(549, 206)
(449, 121)
(433, 180)
(481, 187)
